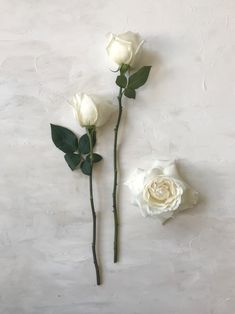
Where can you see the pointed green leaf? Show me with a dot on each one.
(121, 81)
(64, 139)
(86, 167)
(73, 160)
(129, 92)
(139, 78)
(96, 157)
(84, 144)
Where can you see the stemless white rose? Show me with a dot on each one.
(124, 48)
(160, 191)
(91, 110)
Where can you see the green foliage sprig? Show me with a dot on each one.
(77, 150)
(79, 155)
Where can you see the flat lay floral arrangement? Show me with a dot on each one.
(158, 192)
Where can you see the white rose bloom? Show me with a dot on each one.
(160, 191)
(124, 48)
(91, 110)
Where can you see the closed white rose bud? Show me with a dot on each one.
(91, 110)
(124, 48)
(160, 191)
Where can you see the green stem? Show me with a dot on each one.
(90, 135)
(115, 183)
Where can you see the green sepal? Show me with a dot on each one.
(124, 68)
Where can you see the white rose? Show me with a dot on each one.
(91, 110)
(160, 191)
(124, 48)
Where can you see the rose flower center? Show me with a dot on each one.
(159, 191)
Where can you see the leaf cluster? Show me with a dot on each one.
(134, 81)
(77, 151)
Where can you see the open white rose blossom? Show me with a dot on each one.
(91, 110)
(161, 191)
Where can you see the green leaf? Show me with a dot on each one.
(121, 81)
(129, 92)
(84, 144)
(96, 157)
(86, 167)
(64, 139)
(73, 160)
(139, 78)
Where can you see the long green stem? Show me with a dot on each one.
(115, 183)
(90, 135)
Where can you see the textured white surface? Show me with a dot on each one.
(48, 51)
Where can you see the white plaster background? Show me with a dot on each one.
(48, 51)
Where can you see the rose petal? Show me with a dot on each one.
(120, 50)
(172, 171)
(189, 198)
(165, 216)
(144, 208)
(105, 110)
(136, 181)
(164, 175)
(124, 48)
(88, 113)
(153, 173)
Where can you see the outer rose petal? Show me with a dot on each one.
(91, 110)
(88, 114)
(130, 36)
(137, 44)
(139, 201)
(110, 37)
(124, 48)
(76, 103)
(105, 110)
(134, 38)
(165, 216)
(136, 181)
(150, 174)
(120, 51)
(189, 198)
(136, 185)
(168, 168)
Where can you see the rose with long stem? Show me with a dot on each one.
(124, 49)
(91, 112)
